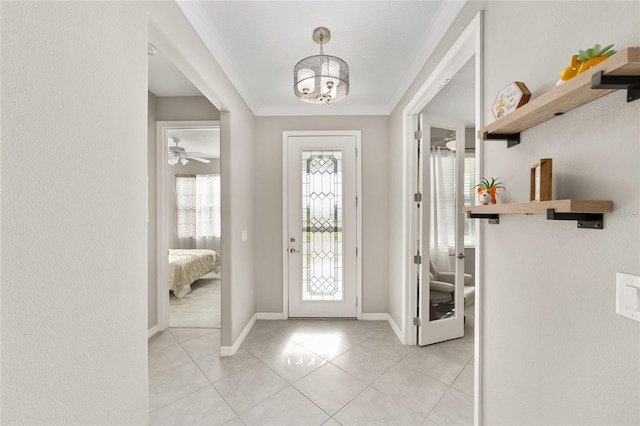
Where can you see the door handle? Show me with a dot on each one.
(459, 256)
(294, 251)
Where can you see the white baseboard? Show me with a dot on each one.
(395, 328)
(231, 350)
(385, 317)
(270, 316)
(152, 331)
(375, 317)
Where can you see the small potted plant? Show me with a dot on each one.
(593, 56)
(487, 190)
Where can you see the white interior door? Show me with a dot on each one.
(321, 231)
(441, 231)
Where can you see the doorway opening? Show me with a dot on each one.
(185, 226)
(416, 270)
(189, 224)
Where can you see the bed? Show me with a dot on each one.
(189, 265)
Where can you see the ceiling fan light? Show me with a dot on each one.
(451, 145)
(184, 161)
(173, 160)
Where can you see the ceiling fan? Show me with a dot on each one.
(448, 141)
(178, 153)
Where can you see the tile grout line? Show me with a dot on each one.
(216, 389)
(172, 368)
(181, 398)
(192, 361)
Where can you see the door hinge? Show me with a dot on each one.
(417, 259)
(357, 301)
(356, 201)
(417, 197)
(356, 251)
(417, 321)
(356, 152)
(417, 134)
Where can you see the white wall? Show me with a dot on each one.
(74, 98)
(268, 198)
(74, 212)
(186, 108)
(237, 135)
(555, 351)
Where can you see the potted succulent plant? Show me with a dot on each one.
(593, 56)
(487, 189)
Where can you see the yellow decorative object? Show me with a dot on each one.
(590, 63)
(572, 70)
(584, 60)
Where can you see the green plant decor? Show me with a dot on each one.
(594, 52)
(490, 183)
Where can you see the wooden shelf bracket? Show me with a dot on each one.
(585, 220)
(512, 139)
(615, 82)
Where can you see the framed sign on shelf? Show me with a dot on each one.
(541, 186)
(510, 98)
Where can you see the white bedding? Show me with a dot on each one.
(189, 265)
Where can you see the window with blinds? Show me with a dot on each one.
(198, 206)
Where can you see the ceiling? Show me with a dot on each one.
(257, 43)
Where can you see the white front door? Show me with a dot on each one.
(320, 229)
(441, 230)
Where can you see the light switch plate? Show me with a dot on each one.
(244, 235)
(628, 296)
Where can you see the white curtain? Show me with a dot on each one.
(442, 174)
(198, 211)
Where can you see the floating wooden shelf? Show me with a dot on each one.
(572, 94)
(539, 207)
(588, 213)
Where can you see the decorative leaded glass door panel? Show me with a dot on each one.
(322, 226)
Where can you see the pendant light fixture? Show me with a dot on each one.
(321, 79)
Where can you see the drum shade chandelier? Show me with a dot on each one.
(321, 79)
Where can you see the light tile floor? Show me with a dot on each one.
(198, 308)
(310, 372)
